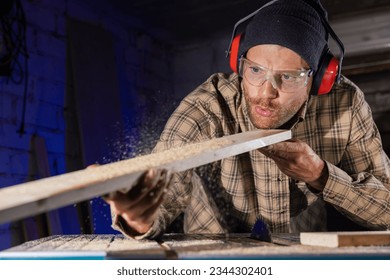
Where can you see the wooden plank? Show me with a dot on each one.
(49, 193)
(344, 239)
(42, 161)
(39, 225)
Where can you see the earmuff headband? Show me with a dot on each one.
(243, 20)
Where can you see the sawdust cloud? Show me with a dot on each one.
(134, 137)
(137, 137)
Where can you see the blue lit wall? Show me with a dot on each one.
(144, 73)
(153, 77)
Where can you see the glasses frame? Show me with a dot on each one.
(304, 73)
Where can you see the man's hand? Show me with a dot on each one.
(138, 206)
(297, 160)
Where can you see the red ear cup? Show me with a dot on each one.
(234, 53)
(329, 76)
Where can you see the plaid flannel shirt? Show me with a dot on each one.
(231, 194)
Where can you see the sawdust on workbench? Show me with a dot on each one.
(122, 243)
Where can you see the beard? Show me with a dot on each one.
(280, 114)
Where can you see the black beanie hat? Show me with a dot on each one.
(294, 24)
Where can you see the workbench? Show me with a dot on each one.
(185, 246)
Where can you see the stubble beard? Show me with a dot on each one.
(280, 114)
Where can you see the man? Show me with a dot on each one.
(333, 172)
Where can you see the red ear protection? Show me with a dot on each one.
(326, 74)
(329, 76)
(233, 57)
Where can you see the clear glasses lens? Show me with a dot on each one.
(286, 81)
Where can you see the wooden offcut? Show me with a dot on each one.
(35, 197)
(345, 239)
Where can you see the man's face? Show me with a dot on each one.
(271, 107)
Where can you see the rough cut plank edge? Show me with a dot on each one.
(345, 239)
(39, 196)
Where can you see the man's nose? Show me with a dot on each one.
(269, 88)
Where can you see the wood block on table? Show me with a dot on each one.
(344, 239)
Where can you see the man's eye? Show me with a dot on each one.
(289, 77)
(256, 70)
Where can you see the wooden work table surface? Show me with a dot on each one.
(181, 246)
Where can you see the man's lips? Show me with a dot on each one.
(264, 112)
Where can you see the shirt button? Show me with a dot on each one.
(332, 195)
